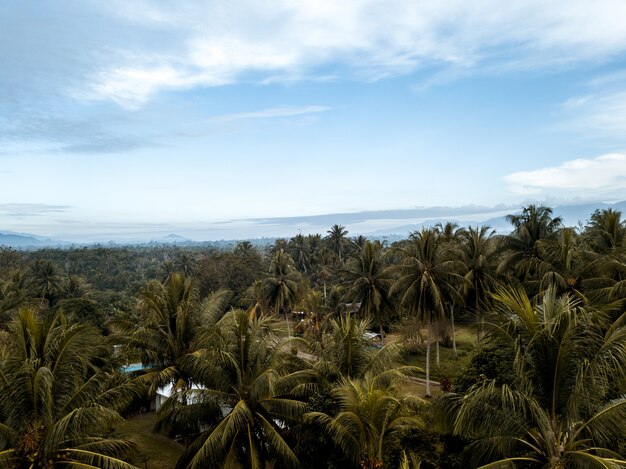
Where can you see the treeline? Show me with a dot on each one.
(544, 389)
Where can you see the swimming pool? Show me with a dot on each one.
(132, 367)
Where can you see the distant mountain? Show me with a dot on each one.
(572, 215)
(391, 225)
(20, 241)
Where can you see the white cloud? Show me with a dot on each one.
(280, 111)
(211, 43)
(600, 114)
(604, 176)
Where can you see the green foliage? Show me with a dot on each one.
(555, 412)
(58, 403)
(490, 362)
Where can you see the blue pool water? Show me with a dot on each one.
(132, 367)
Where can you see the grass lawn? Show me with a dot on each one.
(450, 367)
(154, 451)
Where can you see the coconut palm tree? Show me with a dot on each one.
(424, 278)
(521, 249)
(606, 236)
(58, 405)
(280, 284)
(346, 352)
(13, 294)
(337, 240)
(368, 283)
(46, 280)
(370, 419)
(300, 252)
(244, 402)
(606, 231)
(477, 251)
(557, 412)
(164, 331)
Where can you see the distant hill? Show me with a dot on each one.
(20, 241)
(572, 215)
(390, 225)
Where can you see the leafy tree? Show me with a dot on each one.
(372, 416)
(58, 405)
(337, 240)
(280, 284)
(477, 252)
(300, 252)
(47, 280)
(424, 278)
(557, 412)
(522, 248)
(245, 401)
(164, 331)
(368, 283)
(345, 352)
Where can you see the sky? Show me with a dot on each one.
(138, 116)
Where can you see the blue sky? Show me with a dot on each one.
(125, 116)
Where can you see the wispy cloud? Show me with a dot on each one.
(604, 176)
(293, 40)
(31, 210)
(600, 114)
(270, 113)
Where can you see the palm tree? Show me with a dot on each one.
(243, 403)
(570, 267)
(13, 294)
(57, 405)
(164, 331)
(368, 283)
(557, 413)
(337, 240)
(280, 284)
(300, 252)
(424, 278)
(345, 352)
(47, 280)
(478, 254)
(606, 235)
(370, 420)
(522, 248)
(606, 231)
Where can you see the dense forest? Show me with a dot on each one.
(324, 350)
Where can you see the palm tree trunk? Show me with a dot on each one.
(437, 362)
(453, 334)
(428, 393)
(382, 333)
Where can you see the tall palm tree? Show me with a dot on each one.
(280, 284)
(370, 419)
(557, 413)
(478, 254)
(337, 240)
(606, 231)
(424, 278)
(13, 294)
(164, 331)
(47, 280)
(606, 236)
(522, 248)
(368, 283)
(243, 404)
(58, 406)
(299, 252)
(345, 352)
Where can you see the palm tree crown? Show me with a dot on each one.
(57, 405)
